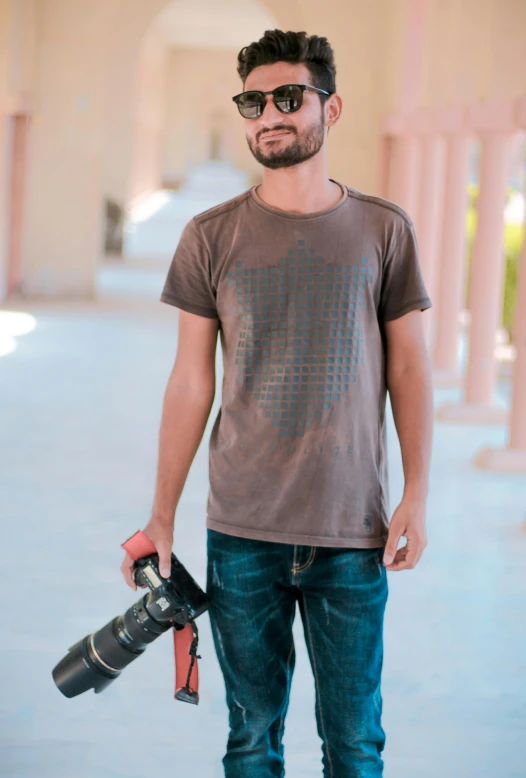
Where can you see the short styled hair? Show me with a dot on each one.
(296, 47)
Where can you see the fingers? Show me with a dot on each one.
(127, 570)
(165, 561)
(391, 545)
(407, 557)
(399, 560)
(162, 538)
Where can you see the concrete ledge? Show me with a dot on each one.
(140, 261)
(503, 460)
(467, 413)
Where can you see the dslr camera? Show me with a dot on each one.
(171, 603)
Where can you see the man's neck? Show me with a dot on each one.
(297, 193)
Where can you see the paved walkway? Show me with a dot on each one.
(81, 398)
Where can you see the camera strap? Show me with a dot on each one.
(185, 637)
(139, 546)
(185, 645)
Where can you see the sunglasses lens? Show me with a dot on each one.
(288, 98)
(250, 105)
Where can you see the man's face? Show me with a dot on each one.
(281, 140)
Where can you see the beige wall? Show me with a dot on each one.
(63, 220)
(22, 50)
(62, 224)
(133, 26)
(149, 128)
(475, 50)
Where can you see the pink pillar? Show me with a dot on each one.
(18, 173)
(487, 279)
(5, 163)
(429, 217)
(517, 431)
(417, 14)
(513, 458)
(450, 283)
(386, 143)
(403, 174)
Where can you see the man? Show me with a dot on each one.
(316, 291)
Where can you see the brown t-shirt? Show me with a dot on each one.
(298, 449)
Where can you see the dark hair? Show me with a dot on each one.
(297, 47)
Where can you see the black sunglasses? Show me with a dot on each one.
(287, 99)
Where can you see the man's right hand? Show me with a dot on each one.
(161, 533)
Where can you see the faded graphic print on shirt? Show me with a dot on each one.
(301, 343)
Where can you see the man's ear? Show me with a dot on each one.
(338, 100)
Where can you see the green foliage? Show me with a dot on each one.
(513, 237)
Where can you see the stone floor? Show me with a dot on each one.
(81, 398)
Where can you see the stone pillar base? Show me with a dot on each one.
(467, 413)
(503, 460)
(444, 379)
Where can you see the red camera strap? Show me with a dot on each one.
(186, 672)
(139, 545)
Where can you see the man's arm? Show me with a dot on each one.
(187, 403)
(409, 381)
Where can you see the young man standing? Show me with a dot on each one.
(316, 291)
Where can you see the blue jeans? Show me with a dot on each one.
(341, 592)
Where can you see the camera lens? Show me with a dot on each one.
(77, 673)
(98, 659)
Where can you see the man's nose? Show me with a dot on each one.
(270, 114)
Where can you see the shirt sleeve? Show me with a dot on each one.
(188, 284)
(403, 287)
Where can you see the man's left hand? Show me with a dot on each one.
(409, 521)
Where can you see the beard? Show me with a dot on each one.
(302, 148)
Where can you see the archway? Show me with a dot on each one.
(136, 161)
(178, 110)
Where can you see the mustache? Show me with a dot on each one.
(274, 129)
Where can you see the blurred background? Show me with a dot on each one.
(116, 127)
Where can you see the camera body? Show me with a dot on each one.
(176, 600)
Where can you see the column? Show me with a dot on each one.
(429, 218)
(4, 201)
(487, 281)
(452, 262)
(384, 157)
(513, 457)
(403, 174)
(20, 127)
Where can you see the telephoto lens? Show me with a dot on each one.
(99, 658)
